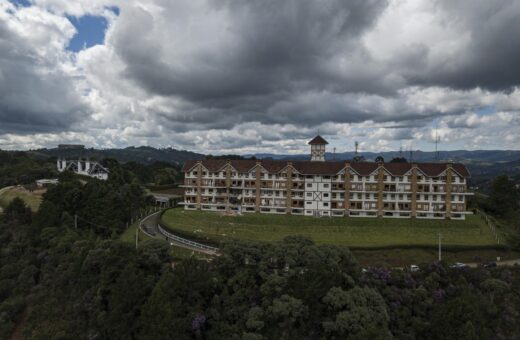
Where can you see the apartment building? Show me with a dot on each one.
(327, 188)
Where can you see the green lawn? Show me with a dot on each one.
(32, 199)
(354, 232)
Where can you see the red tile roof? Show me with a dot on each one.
(318, 140)
(318, 168)
(327, 168)
(364, 168)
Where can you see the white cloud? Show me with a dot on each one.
(257, 76)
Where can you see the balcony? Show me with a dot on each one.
(338, 186)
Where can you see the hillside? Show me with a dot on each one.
(141, 154)
(483, 165)
(463, 156)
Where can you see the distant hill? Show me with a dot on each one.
(484, 165)
(141, 154)
(462, 156)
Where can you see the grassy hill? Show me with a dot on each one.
(32, 199)
(352, 232)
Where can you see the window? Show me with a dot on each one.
(309, 194)
(308, 203)
(325, 204)
(325, 195)
(309, 185)
(325, 185)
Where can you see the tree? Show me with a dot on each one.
(379, 159)
(18, 212)
(399, 160)
(503, 199)
(357, 313)
(358, 159)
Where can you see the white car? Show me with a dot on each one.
(414, 268)
(459, 265)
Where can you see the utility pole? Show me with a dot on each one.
(136, 235)
(440, 251)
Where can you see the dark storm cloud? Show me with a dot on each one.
(490, 60)
(33, 96)
(270, 47)
(296, 61)
(269, 53)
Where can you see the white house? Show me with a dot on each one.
(84, 167)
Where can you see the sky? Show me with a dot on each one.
(260, 76)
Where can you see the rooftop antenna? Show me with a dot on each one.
(401, 150)
(437, 140)
(334, 153)
(411, 152)
(356, 144)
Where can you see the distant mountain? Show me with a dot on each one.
(141, 154)
(483, 165)
(462, 156)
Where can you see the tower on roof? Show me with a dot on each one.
(318, 148)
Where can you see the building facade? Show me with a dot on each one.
(83, 167)
(327, 188)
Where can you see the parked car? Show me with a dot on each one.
(491, 264)
(458, 265)
(414, 268)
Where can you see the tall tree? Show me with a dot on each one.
(504, 196)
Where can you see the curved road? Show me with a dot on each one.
(149, 226)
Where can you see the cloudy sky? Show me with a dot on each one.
(260, 75)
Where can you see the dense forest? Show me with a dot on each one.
(23, 168)
(62, 282)
(65, 273)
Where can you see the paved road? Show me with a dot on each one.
(506, 263)
(149, 227)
